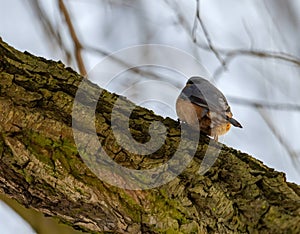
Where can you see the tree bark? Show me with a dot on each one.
(40, 166)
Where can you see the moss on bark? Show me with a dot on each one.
(41, 168)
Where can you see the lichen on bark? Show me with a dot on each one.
(40, 166)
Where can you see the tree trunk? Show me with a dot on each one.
(40, 164)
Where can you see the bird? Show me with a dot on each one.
(213, 114)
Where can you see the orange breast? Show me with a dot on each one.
(196, 117)
(220, 129)
(188, 112)
(193, 115)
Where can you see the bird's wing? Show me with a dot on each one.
(209, 97)
(205, 99)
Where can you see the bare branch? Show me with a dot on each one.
(265, 105)
(293, 155)
(262, 54)
(279, 34)
(261, 106)
(52, 35)
(230, 54)
(133, 69)
(77, 44)
(250, 36)
(206, 34)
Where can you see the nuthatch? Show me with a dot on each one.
(199, 96)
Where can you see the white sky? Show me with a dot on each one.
(11, 223)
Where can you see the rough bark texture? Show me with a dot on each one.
(41, 168)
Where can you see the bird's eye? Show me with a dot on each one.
(190, 82)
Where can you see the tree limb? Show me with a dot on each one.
(40, 166)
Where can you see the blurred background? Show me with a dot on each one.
(250, 50)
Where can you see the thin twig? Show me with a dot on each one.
(77, 45)
(274, 21)
(52, 35)
(294, 156)
(121, 62)
(194, 30)
(265, 105)
(233, 53)
(263, 54)
(250, 36)
(206, 34)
